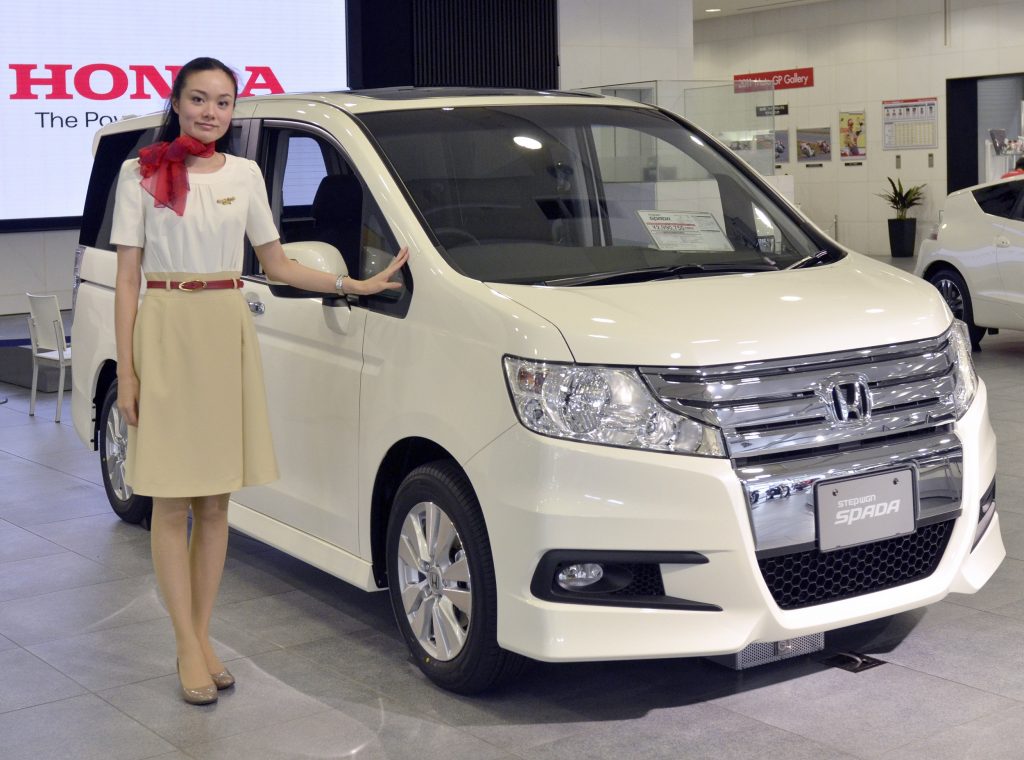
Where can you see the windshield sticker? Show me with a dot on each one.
(685, 231)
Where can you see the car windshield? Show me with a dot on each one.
(582, 195)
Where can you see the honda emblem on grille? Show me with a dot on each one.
(849, 400)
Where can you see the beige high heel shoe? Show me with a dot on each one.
(223, 680)
(204, 695)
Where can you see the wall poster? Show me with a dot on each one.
(781, 146)
(910, 123)
(853, 138)
(814, 144)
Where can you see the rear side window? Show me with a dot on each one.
(1000, 200)
(114, 150)
(98, 213)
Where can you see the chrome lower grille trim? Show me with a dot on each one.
(781, 494)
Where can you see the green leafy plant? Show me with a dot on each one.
(902, 199)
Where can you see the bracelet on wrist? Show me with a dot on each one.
(339, 285)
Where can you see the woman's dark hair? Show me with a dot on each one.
(170, 128)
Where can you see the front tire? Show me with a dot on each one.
(441, 581)
(113, 444)
(953, 289)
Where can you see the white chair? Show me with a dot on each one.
(49, 346)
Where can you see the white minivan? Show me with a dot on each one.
(629, 402)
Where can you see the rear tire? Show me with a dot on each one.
(954, 292)
(113, 444)
(441, 581)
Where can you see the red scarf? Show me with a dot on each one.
(164, 175)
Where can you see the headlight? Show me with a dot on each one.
(605, 405)
(963, 368)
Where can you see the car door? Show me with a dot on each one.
(311, 349)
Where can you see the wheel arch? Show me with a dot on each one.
(402, 458)
(938, 265)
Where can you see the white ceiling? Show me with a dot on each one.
(735, 7)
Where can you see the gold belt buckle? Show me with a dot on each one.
(192, 285)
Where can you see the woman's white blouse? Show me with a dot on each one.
(221, 206)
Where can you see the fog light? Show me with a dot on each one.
(580, 576)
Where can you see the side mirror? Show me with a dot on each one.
(315, 255)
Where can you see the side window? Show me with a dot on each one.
(98, 213)
(999, 200)
(316, 194)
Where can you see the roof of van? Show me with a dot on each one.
(403, 98)
(406, 98)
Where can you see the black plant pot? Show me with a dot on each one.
(902, 233)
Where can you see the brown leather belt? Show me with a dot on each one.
(195, 284)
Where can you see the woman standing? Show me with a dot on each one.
(190, 382)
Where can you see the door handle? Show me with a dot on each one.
(257, 307)
(1002, 242)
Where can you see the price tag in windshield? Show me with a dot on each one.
(685, 231)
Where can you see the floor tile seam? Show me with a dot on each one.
(188, 749)
(960, 684)
(37, 556)
(802, 737)
(29, 528)
(66, 588)
(151, 575)
(77, 634)
(47, 466)
(894, 751)
(86, 689)
(86, 693)
(138, 722)
(994, 611)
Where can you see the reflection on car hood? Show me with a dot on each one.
(854, 303)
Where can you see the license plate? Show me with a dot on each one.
(865, 508)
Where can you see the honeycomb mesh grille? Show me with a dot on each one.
(813, 577)
(646, 581)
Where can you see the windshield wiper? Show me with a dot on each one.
(812, 261)
(655, 273)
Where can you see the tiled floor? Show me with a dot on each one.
(86, 653)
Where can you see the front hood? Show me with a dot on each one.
(854, 303)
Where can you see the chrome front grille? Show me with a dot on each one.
(793, 406)
(791, 423)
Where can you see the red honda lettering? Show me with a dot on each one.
(261, 78)
(24, 81)
(83, 82)
(151, 75)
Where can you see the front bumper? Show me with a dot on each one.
(541, 494)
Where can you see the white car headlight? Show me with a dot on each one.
(605, 405)
(964, 375)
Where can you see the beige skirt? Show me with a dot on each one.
(203, 426)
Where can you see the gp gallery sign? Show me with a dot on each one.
(787, 79)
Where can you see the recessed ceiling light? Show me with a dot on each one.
(712, 10)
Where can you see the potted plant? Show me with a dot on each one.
(902, 231)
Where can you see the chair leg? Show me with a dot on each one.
(35, 381)
(60, 393)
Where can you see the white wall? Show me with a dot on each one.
(617, 41)
(864, 52)
(36, 262)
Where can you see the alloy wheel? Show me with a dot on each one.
(434, 581)
(115, 452)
